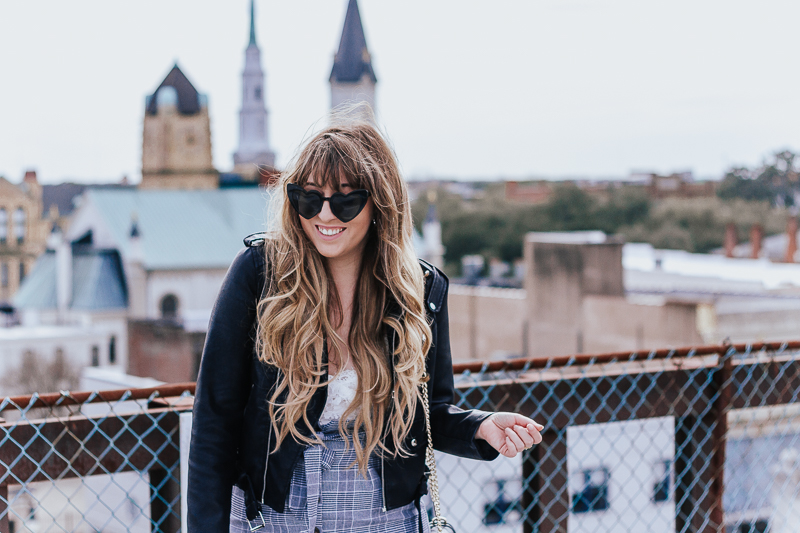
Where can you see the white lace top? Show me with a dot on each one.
(341, 391)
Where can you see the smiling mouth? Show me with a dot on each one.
(330, 232)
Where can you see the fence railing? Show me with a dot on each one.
(100, 461)
(689, 440)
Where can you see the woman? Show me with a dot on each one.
(308, 413)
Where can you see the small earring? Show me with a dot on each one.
(373, 221)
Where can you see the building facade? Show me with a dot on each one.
(22, 232)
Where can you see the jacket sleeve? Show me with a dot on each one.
(453, 429)
(223, 386)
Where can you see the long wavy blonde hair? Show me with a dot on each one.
(301, 308)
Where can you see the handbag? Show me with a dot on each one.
(439, 522)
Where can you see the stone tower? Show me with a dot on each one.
(176, 144)
(352, 77)
(253, 150)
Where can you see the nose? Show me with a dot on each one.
(326, 215)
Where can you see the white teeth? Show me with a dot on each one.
(330, 232)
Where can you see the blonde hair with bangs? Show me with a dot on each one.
(294, 315)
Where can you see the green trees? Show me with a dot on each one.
(492, 226)
(698, 224)
(776, 181)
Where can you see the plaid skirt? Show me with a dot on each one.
(329, 496)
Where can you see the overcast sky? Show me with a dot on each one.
(467, 89)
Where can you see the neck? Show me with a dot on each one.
(345, 271)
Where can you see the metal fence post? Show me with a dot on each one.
(700, 456)
(723, 383)
(5, 509)
(545, 499)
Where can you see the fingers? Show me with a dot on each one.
(508, 449)
(516, 442)
(525, 434)
(535, 432)
(519, 438)
(517, 433)
(524, 421)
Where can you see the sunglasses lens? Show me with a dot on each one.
(306, 203)
(346, 207)
(309, 204)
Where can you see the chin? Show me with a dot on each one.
(331, 252)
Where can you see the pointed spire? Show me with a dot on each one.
(353, 59)
(252, 23)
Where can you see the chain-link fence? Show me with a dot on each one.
(86, 462)
(684, 440)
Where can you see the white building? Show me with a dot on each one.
(134, 254)
(163, 254)
(69, 347)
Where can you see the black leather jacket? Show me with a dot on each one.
(231, 431)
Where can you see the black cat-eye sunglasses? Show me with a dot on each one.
(308, 204)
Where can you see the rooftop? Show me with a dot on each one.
(179, 229)
(98, 281)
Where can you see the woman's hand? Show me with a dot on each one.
(510, 433)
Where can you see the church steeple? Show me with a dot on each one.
(352, 61)
(252, 23)
(253, 150)
(352, 76)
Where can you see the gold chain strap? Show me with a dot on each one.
(438, 521)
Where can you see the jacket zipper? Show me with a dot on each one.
(269, 441)
(391, 409)
(383, 476)
(266, 465)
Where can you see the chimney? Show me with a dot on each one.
(135, 273)
(30, 176)
(791, 244)
(730, 239)
(63, 249)
(756, 236)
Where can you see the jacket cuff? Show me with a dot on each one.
(483, 448)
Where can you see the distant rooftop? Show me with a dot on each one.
(188, 98)
(179, 229)
(567, 237)
(98, 282)
(643, 257)
(63, 195)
